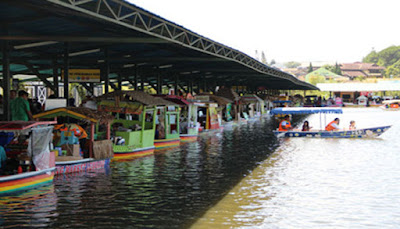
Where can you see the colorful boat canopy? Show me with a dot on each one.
(79, 113)
(22, 125)
(306, 110)
(121, 107)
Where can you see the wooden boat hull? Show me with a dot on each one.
(25, 181)
(359, 133)
(84, 165)
(130, 152)
(166, 143)
(188, 137)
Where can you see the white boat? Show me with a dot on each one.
(391, 105)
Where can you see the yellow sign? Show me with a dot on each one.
(83, 75)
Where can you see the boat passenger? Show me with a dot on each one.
(352, 125)
(285, 124)
(306, 126)
(334, 125)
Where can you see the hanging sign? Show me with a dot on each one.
(83, 75)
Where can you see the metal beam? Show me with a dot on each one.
(31, 37)
(35, 71)
(87, 87)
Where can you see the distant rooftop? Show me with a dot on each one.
(360, 66)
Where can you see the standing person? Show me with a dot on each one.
(20, 109)
(13, 94)
(285, 124)
(334, 125)
(1, 105)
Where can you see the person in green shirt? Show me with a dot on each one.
(20, 107)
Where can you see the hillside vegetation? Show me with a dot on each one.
(389, 58)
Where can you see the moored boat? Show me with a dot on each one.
(167, 126)
(210, 110)
(82, 155)
(188, 128)
(134, 128)
(35, 166)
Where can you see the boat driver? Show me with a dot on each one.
(332, 126)
(285, 124)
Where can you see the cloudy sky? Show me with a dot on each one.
(289, 30)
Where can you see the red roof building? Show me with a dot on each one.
(368, 70)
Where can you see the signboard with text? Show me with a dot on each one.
(83, 75)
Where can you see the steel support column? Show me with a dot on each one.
(190, 86)
(135, 86)
(106, 71)
(176, 85)
(6, 81)
(159, 84)
(55, 78)
(66, 68)
(119, 82)
(141, 82)
(204, 84)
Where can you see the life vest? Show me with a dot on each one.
(286, 126)
(394, 105)
(79, 132)
(329, 127)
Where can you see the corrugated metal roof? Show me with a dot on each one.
(132, 37)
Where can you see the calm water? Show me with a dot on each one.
(239, 177)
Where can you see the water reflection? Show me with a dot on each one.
(314, 183)
(239, 177)
(32, 208)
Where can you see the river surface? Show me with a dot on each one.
(241, 177)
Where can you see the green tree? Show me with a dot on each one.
(389, 56)
(310, 68)
(372, 57)
(314, 79)
(329, 67)
(292, 64)
(393, 70)
(263, 58)
(337, 69)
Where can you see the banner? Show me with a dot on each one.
(82, 75)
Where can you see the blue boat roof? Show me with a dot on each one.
(306, 110)
(282, 101)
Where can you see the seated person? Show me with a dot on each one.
(333, 126)
(352, 125)
(285, 125)
(306, 126)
